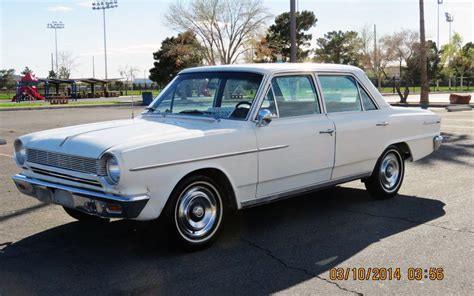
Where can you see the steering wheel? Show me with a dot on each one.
(243, 103)
(240, 112)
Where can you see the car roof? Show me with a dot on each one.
(267, 68)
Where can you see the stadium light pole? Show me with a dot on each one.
(437, 44)
(56, 25)
(104, 5)
(449, 19)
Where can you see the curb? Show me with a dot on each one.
(67, 107)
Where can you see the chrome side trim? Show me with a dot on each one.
(165, 164)
(273, 148)
(78, 191)
(290, 193)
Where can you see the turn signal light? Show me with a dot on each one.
(113, 209)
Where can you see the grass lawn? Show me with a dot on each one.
(6, 96)
(416, 89)
(27, 104)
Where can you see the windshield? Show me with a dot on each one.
(226, 95)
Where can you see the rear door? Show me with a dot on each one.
(361, 126)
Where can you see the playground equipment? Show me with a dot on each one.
(26, 89)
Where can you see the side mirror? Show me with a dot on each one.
(264, 117)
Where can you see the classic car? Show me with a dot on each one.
(222, 138)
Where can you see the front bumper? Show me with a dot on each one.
(88, 201)
(437, 141)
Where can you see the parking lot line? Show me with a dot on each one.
(6, 155)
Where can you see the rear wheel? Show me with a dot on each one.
(195, 211)
(387, 176)
(83, 217)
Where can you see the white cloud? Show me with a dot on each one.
(60, 8)
(84, 4)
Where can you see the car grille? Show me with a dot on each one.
(67, 162)
(66, 177)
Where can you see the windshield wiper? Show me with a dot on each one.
(151, 109)
(199, 112)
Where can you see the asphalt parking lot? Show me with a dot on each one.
(286, 247)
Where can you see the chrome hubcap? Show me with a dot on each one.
(390, 171)
(197, 211)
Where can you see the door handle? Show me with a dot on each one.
(328, 131)
(382, 123)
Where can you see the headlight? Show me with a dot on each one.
(20, 152)
(113, 169)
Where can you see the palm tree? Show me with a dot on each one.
(424, 96)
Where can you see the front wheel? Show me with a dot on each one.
(195, 211)
(387, 176)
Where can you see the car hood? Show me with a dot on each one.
(91, 140)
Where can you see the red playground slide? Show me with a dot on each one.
(27, 90)
(31, 90)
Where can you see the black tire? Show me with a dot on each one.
(83, 217)
(387, 177)
(194, 212)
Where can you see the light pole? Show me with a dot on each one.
(449, 19)
(56, 25)
(439, 4)
(104, 5)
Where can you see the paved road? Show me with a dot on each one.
(286, 247)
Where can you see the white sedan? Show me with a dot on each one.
(222, 138)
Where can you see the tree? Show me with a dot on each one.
(456, 61)
(222, 26)
(277, 39)
(7, 78)
(64, 72)
(463, 61)
(413, 70)
(402, 44)
(176, 54)
(67, 62)
(128, 74)
(424, 95)
(339, 48)
(52, 74)
(26, 71)
(375, 59)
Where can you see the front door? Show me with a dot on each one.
(296, 149)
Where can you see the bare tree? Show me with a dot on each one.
(403, 44)
(67, 62)
(223, 26)
(375, 59)
(128, 73)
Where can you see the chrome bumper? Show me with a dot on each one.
(90, 202)
(437, 142)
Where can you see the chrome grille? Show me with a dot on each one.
(67, 162)
(66, 177)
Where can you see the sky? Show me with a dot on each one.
(136, 28)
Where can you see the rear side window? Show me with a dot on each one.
(366, 101)
(341, 93)
(295, 95)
